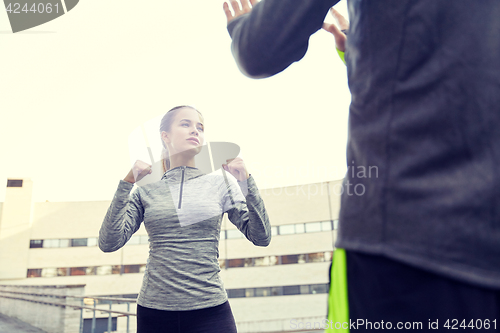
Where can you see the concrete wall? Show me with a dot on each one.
(15, 227)
(50, 318)
(267, 314)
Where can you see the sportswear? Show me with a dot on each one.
(182, 214)
(424, 140)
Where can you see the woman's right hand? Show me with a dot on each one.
(139, 170)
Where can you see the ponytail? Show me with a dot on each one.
(165, 159)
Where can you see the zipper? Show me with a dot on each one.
(182, 182)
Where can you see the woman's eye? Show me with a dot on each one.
(185, 124)
(200, 129)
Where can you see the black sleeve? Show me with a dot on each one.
(275, 34)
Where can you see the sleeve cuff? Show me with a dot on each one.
(124, 188)
(232, 24)
(244, 186)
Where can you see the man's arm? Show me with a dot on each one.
(274, 34)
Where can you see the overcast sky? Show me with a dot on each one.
(73, 90)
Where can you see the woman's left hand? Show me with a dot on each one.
(237, 168)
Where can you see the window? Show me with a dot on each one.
(316, 257)
(274, 231)
(248, 262)
(233, 234)
(276, 291)
(91, 270)
(34, 273)
(222, 263)
(328, 256)
(233, 293)
(79, 242)
(304, 289)
(103, 270)
(236, 263)
(108, 269)
(49, 272)
(319, 288)
(36, 243)
(64, 242)
(262, 292)
(144, 239)
(101, 324)
(51, 242)
(302, 258)
(287, 229)
(313, 227)
(92, 241)
(273, 260)
(77, 271)
(62, 271)
(290, 259)
(249, 292)
(291, 290)
(326, 225)
(299, 228)
(261, 261)
(132, 269)
(14, 183)
(222, 234)
(142, 268)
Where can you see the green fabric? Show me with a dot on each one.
(341, 55)
(338, 306)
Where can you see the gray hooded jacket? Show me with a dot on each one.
(182, 214)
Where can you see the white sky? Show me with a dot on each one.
(74, 89)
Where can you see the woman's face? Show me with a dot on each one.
(186, 132)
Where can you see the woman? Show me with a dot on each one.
(182, 213)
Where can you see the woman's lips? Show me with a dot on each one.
(194, 140)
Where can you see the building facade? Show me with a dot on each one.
(281, 287)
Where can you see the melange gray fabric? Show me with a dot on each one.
(182, 214)
(424, 139)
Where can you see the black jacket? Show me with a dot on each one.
(424, 119)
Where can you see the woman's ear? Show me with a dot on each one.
(165, 137)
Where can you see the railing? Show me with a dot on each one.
(110, 311)
(82, 307)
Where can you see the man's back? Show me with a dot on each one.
(425, 114)
(419, 231)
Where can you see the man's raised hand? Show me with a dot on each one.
(343, 25)
(246, 7)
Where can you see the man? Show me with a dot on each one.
(422, 245)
